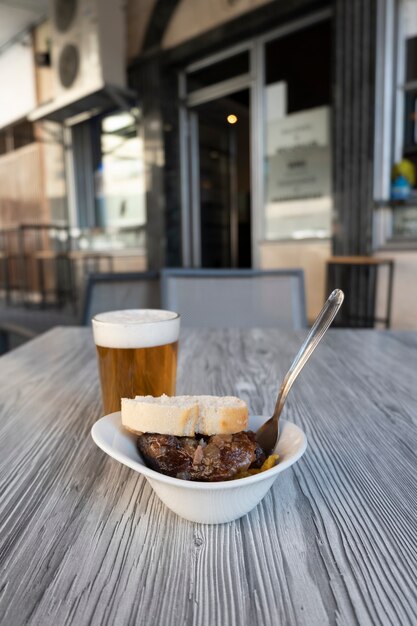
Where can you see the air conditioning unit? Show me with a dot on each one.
(88, 56)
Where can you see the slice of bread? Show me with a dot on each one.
(165, 415)
(185, 416)
(221, 415)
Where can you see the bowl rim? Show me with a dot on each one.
(114, 419)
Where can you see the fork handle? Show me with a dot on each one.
(319, 328)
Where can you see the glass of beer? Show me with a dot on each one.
(137, 354)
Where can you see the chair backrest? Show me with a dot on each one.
(236, 298)
(368, 285)
(114, 291)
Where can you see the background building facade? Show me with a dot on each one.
(248, 133)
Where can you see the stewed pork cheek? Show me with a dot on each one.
(219, 457)
(193, 437)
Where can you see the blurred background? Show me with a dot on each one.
(143, 134)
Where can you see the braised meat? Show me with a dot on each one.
(219, 457)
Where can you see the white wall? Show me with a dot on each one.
(194, 17)
(17, 80)
(404, 296)
(310, 256)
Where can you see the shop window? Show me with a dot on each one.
(110, 180)
(410, 86)
(119, 174)
(298, 191)
(403, 183)
(410, 95)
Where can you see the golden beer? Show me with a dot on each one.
(137, 354)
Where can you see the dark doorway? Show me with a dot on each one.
(220, 154)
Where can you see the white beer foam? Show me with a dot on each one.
(135, 328)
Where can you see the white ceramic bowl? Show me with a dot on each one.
(207, 503)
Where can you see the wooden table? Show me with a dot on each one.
(83, 540)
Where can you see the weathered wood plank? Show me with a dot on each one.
(83, 540)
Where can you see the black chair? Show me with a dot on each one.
(127, 290)
(361, 278)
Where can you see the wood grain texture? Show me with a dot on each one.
(83, 540)
(22, 197)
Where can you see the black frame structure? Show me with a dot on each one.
(153, 74)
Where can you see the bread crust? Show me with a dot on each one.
(185, 416)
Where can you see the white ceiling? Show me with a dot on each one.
(16, 15)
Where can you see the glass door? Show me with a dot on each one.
(297, 152)
(220, 175)
(256, 146)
